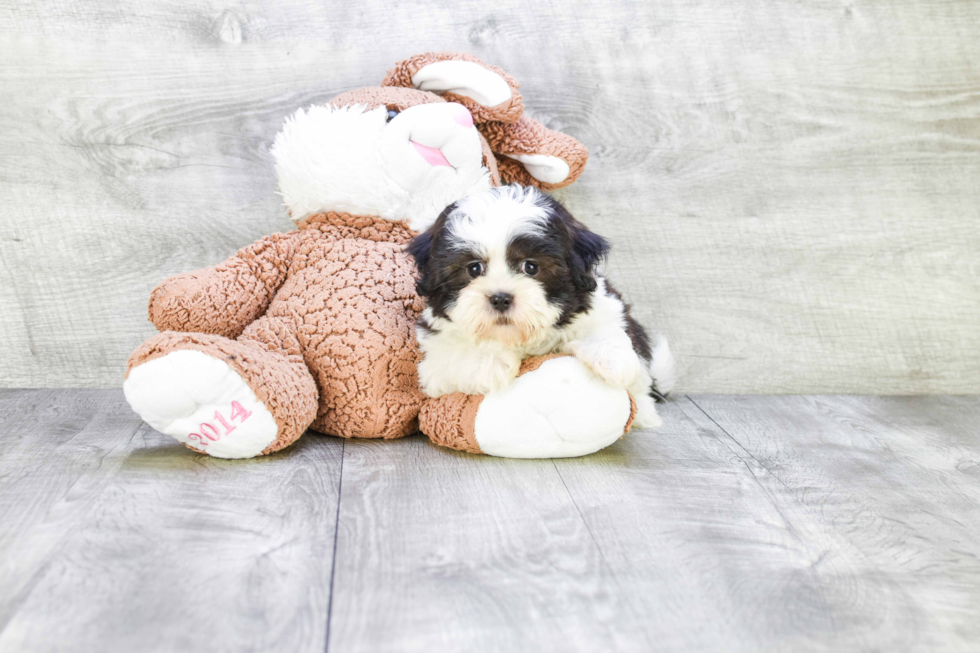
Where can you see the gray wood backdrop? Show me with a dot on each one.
(792, 188)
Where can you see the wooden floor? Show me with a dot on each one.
(744, 524)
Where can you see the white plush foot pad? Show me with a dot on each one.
(557, 411)
(201, 401)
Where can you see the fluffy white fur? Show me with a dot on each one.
(380, 173)
(663, 366)
(492, 220)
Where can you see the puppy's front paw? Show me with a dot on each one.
(614, 364)
(495, 373)
(479, 375)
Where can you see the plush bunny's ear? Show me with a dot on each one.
(487, 91)
(531, 154)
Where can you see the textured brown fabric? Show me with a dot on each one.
(344, 290)
(449, 421)
(633, 409)
(531, 364)
(490, 161)
(528, 136)
(268, 358)
(508, 111)
(344, 225)
(391, 97)
(351, 291)
(225, 298)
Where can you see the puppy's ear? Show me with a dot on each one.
(487, 91)
(420, 249)
(587, 247)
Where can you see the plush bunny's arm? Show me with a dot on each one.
(225, 298)
(555, 408)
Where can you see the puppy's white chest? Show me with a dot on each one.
(452, 364)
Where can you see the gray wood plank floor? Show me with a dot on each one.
(746, 523)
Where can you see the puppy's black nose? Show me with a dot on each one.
(501, 301)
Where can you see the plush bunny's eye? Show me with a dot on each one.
(391, 114)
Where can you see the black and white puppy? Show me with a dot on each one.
(509, 273)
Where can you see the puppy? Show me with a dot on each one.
(509, 273)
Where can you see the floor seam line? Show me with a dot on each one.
(28, 587)
(582, 517)
(782, 515)
(740, 445)
(336, 531)
(598, 548)
(772, 501)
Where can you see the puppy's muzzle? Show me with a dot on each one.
(501, 301)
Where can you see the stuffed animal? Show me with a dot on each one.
(314, 328)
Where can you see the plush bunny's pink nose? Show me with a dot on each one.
(462, 115)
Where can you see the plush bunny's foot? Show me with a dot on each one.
(225, 398)
(202, 402)
(556, 408)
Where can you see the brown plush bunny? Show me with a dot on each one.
(314, 328)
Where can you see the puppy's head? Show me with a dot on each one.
(507, 263)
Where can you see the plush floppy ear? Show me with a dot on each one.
(529, 153)
(487, 91)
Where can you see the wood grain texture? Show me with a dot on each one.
(746, 523)
(114, 538)
(725, 545)
(755, 523)
(444, 551)
(791, 189)
(887, 491)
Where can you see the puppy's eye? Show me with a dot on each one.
(391, 114)
(530, 268)
(474, 269)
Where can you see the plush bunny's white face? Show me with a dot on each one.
(399, 166)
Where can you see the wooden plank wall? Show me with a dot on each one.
(792, 188)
